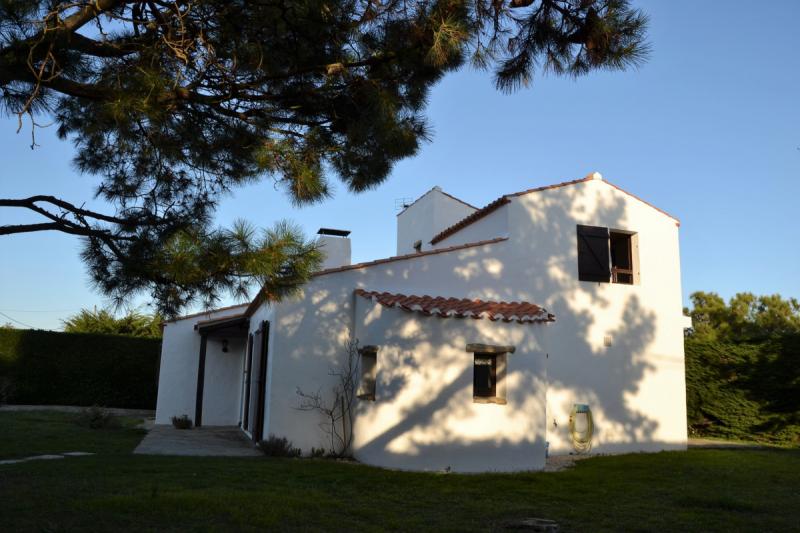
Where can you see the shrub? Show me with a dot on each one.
(278, 447)
(317, 452)
(95, 417)
(182, 422)
(744, 390)
(6, 389)
(134, 323)
(53, 368)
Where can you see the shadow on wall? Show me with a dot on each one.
(53, 368)
(537, 265)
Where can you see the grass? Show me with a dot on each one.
(28, 433)
(708, 489)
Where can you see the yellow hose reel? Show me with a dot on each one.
(581, 427)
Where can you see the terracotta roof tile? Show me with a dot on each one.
(522, 312)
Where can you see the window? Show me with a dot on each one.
(485, 376)
(369, 371)
(606, 255)
(489, 372)
(621, 257)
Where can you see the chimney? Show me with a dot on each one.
(335, 244)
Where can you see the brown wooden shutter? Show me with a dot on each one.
(593, 254)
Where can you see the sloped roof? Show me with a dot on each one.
(260, 297)
(409, 256)
(521, 312)
(436, 188)
(506, 198)
(469, 219)
(206, 312)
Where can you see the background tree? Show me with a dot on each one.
(175, 103)
(744, 317)
(132, 323)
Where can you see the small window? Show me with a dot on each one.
(621, 257)
(488, 378)
(369, 372)
(485, 376)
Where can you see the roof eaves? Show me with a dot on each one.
(620, 189)
(448, 307)
(212, 325)
(591, 177)
(206, 312)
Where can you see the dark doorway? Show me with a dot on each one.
(261, 381)
(248, 368)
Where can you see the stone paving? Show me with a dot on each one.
(203, 441)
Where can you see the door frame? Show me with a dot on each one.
(248, 370)
(261, 382)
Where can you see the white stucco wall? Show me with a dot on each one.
(265, 313)
(424, 416)
(635, 387)
(177, 378)
(311, 330)
(427, 216)
(222, 387)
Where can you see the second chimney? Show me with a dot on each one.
(335, 244)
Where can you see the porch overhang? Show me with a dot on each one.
(229, 327)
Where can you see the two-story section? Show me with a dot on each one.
(607, 264)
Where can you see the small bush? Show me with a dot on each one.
(182, 422)
(317, 452)
(96, 417)
(6, 390)
(278, 447)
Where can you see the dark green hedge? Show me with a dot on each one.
(51, 368)
(744, 390)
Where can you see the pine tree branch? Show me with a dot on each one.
(30, 203)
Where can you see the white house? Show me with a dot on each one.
(483, 341)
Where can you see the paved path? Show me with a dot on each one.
(204, 441)
(144, 413)
(46, 457)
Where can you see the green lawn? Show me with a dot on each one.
(722, 490)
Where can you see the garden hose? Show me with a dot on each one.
(581, 433)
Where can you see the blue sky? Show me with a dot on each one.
(708, 129)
